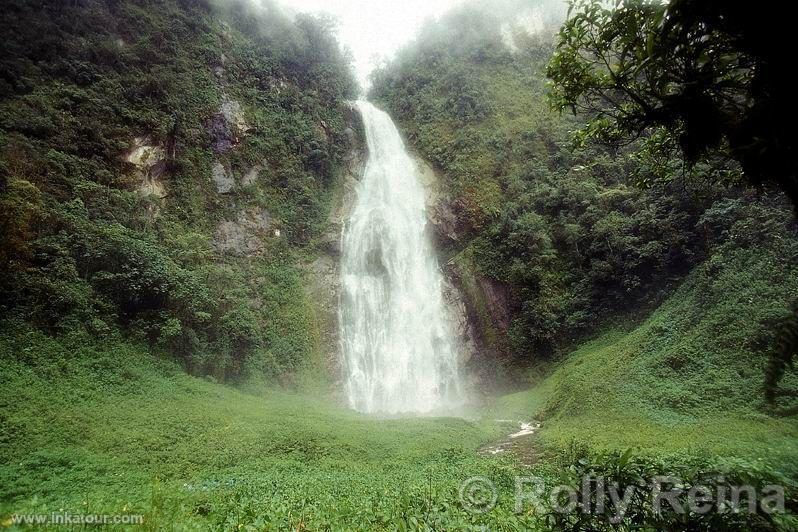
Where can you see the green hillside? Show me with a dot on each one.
(174, 177)
(687, 380)
(165, 167)
(114, 430)
(642, 309)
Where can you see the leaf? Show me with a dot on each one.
(625, 458)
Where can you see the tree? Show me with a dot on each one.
(705, 77)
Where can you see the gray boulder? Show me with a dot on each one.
(245, 235)
(222, 179)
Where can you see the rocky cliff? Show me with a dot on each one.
(479, 306)
(324, 274)
(165, 168)
(464, 302)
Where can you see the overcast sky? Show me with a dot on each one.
(374, 28)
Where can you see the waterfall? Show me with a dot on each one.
(398, 350)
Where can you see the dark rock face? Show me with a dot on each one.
(330, 244)
(460, 324)
(444, 224)
(227, 127)
(222, 139)
(485, 305)
(498, 302)
(480, 308)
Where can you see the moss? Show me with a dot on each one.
(144, 265)
(475, 300)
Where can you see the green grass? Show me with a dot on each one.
(111, 429)
(104, 425)
(687, 381)
(107, 427)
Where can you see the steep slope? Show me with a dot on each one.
(165, 170)
(641, 312)
(688, 379)
(549, 243)
(173, 175)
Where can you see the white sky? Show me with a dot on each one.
(374, 29)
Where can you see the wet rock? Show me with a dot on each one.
(440, 214)
(354, 163)
(350, 136)
(444, 224)
(244, 235)
(330, 244)
(222, 179)
(324, 287)
(497, 299)
(458, 321)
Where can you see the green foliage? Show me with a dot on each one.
(680, 394)
(113, 429)
(635, 479)
(781, 359)
(81, 248)
(568, 231)
(20, 211)
(705, 78)
(688, 379)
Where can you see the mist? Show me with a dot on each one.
(373, 31)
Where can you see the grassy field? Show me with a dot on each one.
(107, 427)
(113, 430)
(684, 385)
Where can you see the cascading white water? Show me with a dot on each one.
(399, 354)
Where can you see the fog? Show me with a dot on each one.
(373, 30)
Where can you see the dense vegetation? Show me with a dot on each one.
(688, 273)
(113, 430)
(705, 78)
(572, 233)
(86, 246)
(166, 173)
(688, 380)
(145, 438)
